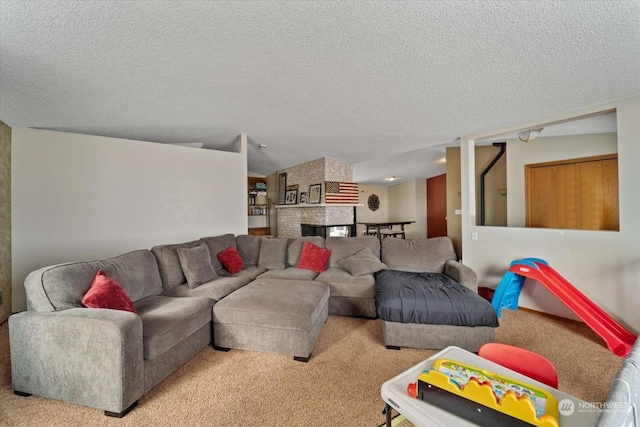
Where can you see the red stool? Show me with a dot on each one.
(522, 361)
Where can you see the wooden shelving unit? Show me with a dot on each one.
(258, 207)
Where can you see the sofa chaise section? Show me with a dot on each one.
(103, 358)
(426, 299)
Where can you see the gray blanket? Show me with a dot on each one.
(430, 298)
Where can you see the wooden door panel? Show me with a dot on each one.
(573, 194)
(590, 194)
(611, 217)
(540, 213)
(563, 203)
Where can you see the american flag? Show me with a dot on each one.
(341, 192)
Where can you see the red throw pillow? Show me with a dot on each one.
(231, 260)
(313, 257)
(106, 292)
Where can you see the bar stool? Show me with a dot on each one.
(522, 361)
(392, 233)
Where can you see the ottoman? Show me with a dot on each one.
(272, 315)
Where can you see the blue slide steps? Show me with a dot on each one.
(509, 288)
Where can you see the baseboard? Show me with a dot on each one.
(551, 316)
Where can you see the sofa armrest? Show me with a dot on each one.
(623, 403)
(91, 357)
(461, 274)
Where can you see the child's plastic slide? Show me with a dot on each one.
(617, 338)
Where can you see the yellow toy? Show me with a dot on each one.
(448, 381)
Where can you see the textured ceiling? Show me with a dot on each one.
(372, 83)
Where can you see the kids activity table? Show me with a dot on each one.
(423, 414)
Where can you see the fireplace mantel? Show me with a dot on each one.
(320, 205)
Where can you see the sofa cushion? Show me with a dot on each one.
(343, 284)
(215, 289)
(231, 260)
(363, 262)
(169, 263)
(63, 286)
(105, 292)
(218, 244)
(166, 321)
(250, 272)
(430, 298)
(418, 256)
(196, 265)
(249, 248)
(294, 248)
(313, 257)
(342, 247)
(290, 273)
(273, 252)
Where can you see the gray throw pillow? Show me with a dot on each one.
(249, 248)
(196, 265)
(362, 262)
(272, 253)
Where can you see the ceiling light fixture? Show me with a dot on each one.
(262, 146)
(529, 135)
(391, 178)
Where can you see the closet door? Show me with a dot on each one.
(573, 194)
(598, 193)
(540, 200)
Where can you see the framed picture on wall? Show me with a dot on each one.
(282, 188)
(314, 193)
(291, 197)
(303, 198)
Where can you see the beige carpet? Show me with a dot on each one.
(339, 386)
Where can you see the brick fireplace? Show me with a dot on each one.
(290, 217)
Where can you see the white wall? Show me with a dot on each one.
(402, 206)
(78, 197)
(421, 208)
(402, 202)
(547, 150)
(364, 214)
(604, 265)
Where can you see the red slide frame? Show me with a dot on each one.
(617, 338)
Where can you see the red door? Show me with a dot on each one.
(437, 206)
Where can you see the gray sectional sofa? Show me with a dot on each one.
(108, 359)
